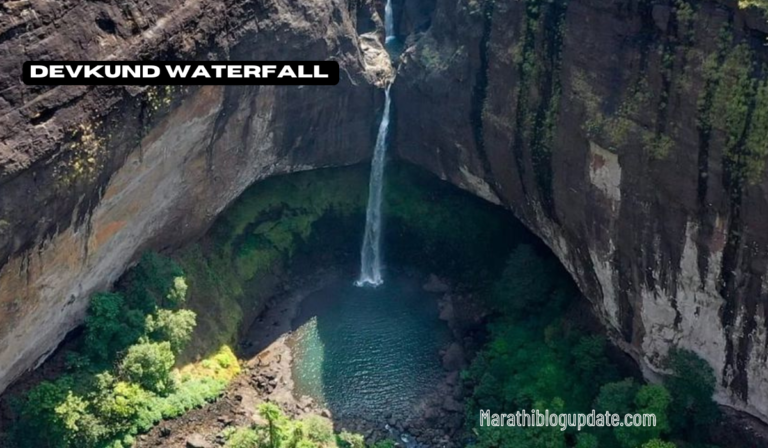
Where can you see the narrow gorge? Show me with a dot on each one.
(612, 150)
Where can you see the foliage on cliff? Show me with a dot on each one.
(121, 381)
(735, 102)
(280, 431)
(237, 266)
(439, 229)
(761, 4)
(538, 357)
(318, 216)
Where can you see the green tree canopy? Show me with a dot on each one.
(149, 364)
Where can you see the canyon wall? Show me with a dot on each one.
(92, 176)
(632, 137)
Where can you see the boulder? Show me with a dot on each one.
(197, 441)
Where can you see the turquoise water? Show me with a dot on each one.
(368, 352)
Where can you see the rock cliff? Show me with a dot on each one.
(632, 137)
(92, 176)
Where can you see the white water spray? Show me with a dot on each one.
(370, 255)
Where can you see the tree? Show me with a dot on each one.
(274, 417)
(297, 436)
(691, 385)
(83, 428)
(120, 403)
(590, 359)
(650, 399)
(519, 437)
(149, 365)
(110, 326)
(173, 326)
(319, 429)
(617, 397)
(585, 440)
(520, 287)
(351, 440)
(155, 281)
(38, 425)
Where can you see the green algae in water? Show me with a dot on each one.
(368, 352)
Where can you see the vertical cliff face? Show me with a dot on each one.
(91, 176)
(631, 136)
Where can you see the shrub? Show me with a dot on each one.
(319, 429)
(155, 281)
(173, 326)
(691, 385)
(39, 425)
(241, 438)
(351, 440)
(149, 364)
(110, 326)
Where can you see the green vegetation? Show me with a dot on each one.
(538, 57)
(82, 157)
(424, 229)
(539, 359)
(159, 97)
(140, 328)
(616, 129)
(233, 269)
(691, 383)
(658, 146)
(761, 4)
(279, 431)
(735, 102)
(128, 371)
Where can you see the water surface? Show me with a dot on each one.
(366, 352)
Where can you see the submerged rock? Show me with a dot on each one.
(454, 358)
(436, 284)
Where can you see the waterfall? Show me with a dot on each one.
(389, 23)
(370, 255)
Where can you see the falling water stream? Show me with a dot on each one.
(369, 353)
(370, 254)
(389, 23)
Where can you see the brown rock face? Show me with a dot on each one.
(631, 137)
(92, 176)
